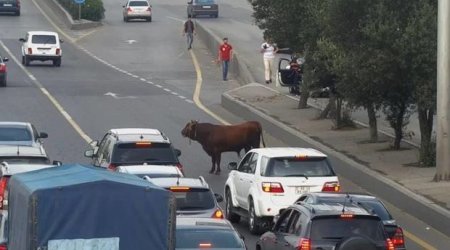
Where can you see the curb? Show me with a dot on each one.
(69, 22)
(403, 198)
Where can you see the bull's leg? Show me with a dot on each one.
(213, 160)
(218, 157)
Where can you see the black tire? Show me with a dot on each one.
(17, 13)
(125, 19)
(149, 19)
(356, 243)
(253, 220)
(23, 60)
(229, 215)
(27, 61)
(57, 62)
(3, 83)
(216, 15)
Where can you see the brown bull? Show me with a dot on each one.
(216, 139)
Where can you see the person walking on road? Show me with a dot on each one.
(268, 49)
(225, 56)
(189, 31)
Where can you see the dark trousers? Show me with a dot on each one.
(225, 69)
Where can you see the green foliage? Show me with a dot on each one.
(92, 10)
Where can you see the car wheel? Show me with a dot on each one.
(57, 62)
(27, 61)
(232, 217)
(3, 83)
(149, 19)
(125, 19)
(17, 13)
(23, 60)
(216, 15)
(253, 220)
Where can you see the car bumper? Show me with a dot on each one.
(43, 57)
(266, 208)
(205, 12)
(138, 15)
(9, 9)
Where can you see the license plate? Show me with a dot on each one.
(301, 190)
(206, 7)
(7, 5)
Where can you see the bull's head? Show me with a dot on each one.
(190, 130)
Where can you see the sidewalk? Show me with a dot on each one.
(393, 170)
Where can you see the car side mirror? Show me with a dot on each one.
(57, 163)
(61, 40)
(232, 166)
(5, 59)
(219, 197)
(123, 6)
(22, 40)
(178, 152)
(89, 153)
(43, 135)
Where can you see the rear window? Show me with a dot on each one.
(25, 160)
(378, 208)
(204, 1)
(154, 153)
(291, 166)
(194, 199)
(138, 3)
(209, 238)
(15, 134)
(336, 228)
(157, 175)
(43, 39)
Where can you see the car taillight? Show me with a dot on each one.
(205, 245)
(2, 67)
(304, 244)
(3, 186)
(30, 51)
(149, 9)
(3, 247)
(218, 214)
(58, 51)
(129, 9)
(389, 245)
(272, 187)
(398, 240)
(112, 167)
(332, 186)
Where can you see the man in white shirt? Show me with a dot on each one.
(268, 49)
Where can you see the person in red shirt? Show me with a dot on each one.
(225, 56)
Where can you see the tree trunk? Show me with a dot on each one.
(304, 95)
(326, 111)
(373, 127)
(398, 126)
(427, 148)
(338, 114)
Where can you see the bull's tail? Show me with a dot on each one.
(261, 135)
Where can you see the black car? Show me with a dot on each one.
(206, 233)
(328, 227)
(12, 6)
(373, 204)
(3, 71)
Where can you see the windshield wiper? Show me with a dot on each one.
(296, 175)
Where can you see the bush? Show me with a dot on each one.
(92, 10)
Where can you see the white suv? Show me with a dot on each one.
(41, 46)
(270, 179)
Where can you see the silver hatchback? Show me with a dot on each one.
(137, 9)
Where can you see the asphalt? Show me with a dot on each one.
(276, 109)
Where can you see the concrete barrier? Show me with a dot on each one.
(237, 67)
(67, 18)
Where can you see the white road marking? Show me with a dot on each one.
(159, 86)
(142, 79)
(176, 19)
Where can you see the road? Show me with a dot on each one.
(135, 75)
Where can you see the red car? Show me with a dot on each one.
(3, 71)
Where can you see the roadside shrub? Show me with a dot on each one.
(92, 10)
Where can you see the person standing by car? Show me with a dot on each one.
(268, 49)
(225, 56)
(189, 31)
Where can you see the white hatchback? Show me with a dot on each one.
(270, 179)
(41, 46)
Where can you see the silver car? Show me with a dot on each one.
(137, 9)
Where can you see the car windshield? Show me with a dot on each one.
(24, 160)
(138, 3)
(291, 167)
(329, 228)
(155, 153)
(15, 134)
(194, 199)
(43, 39)
(193, 238)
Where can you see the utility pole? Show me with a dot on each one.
(443, 93)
